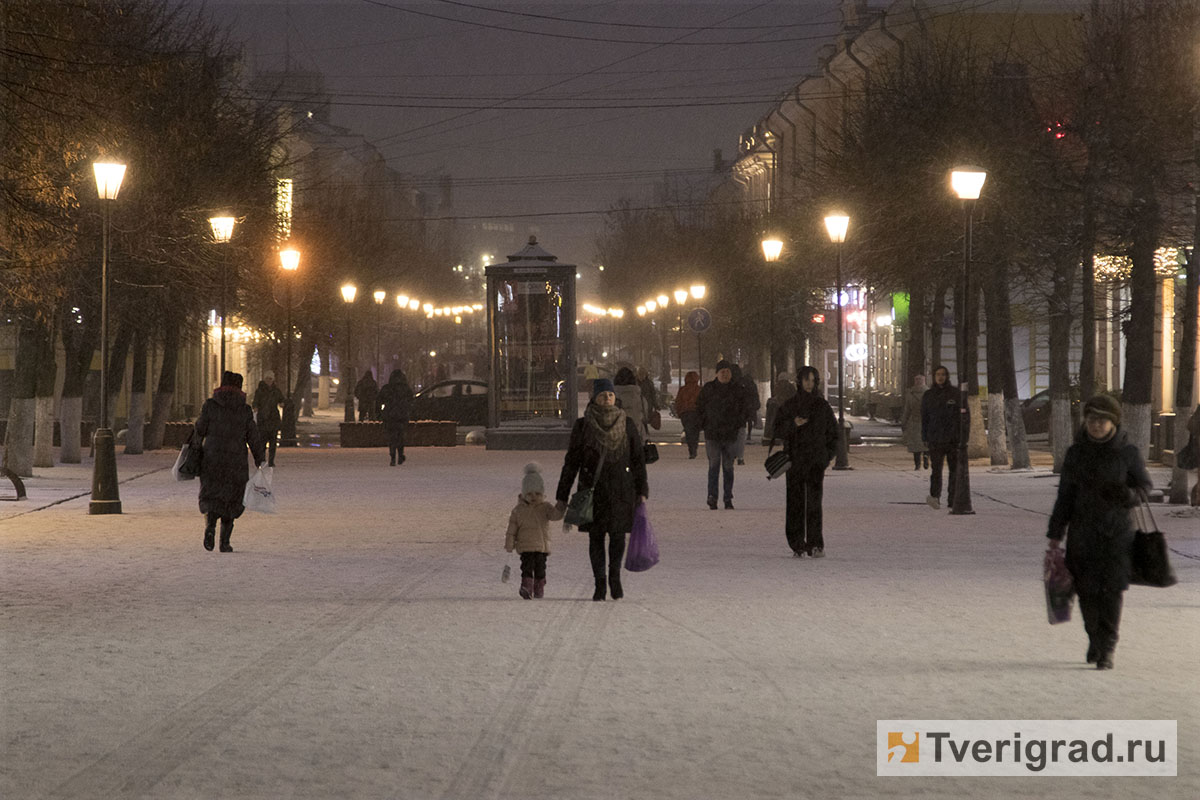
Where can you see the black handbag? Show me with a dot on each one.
(579, 508)
(777, 463)
(1149, 563)
(650, 452)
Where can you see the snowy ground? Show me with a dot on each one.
(360, 643)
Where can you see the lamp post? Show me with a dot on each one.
(106, 498)
(222, 231)
(771, 248)
(289, 262)
(837, 224)
(348, 292)
(698, 291)
(641, 312)
(681, 297)
(379, 296)
(967, 183)
(402, 302)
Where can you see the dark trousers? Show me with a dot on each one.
(270, 437)
(691, 430)
(616, 552)
(396, 442)
(803, 519)
(720, 461)
(1101, 618)
(533, 565)
(936, 453)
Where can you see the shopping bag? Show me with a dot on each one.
(1060, 587)
(1149, 562)
(643, 548)
(505, 573)
(259, 496)
(187, 464)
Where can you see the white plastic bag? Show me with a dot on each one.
(259, 495)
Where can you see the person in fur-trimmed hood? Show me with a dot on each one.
(529, 531)
(226, 424)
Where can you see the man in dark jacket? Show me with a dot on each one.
(940, 416)
(395, 404)
(226, 424)
(366, 392)
(266, 408)
(752, 404)
(808, 428)
(722, 407)
(1103, 476)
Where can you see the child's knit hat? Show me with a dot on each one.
(532, 482)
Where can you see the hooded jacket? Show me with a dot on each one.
(395, 401)
(227, 426)
(689, 395)
(939, 414)
(813, 445)
(1096, 490)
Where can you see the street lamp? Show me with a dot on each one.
(222, 231)
(698, 291)
(349, 290)
(289, 262)
(106, 498)
(967, 183)
(379, 296)
(771, 248)
(837, 224)
(681, 297)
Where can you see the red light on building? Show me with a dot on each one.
(818, 318)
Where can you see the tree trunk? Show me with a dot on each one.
(1137, 387)
(914, 356)
(1061, 433)
(18, 437)
(117, 355)
(1002, 369)
(164, 396)
(935, 328)
(1087, 272)
(1185, 397)
(43, 431)
(137, 395)
(79, 344)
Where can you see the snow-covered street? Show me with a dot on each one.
(360, 644)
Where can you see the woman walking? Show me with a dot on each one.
(939, 429)
(687, 408)
(267, 399)
(395, 404)
(1103, 476)
(630, 398)
(605, 451)
(808, 429)
(910, 422)
(226, 424)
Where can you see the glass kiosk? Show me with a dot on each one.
(532, 403)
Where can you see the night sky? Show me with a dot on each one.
(549, 115)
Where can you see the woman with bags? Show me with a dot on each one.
(226, 424)
(605, 452)
(1103, 477)
(808, 429)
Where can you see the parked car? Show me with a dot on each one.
(1036, 412)
(464, 401)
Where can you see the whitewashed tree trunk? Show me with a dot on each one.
(1179, 477)
(43, 432)
(1062, 430)
(977, 444)
(136, 423)
(70, 417)
(323, 384)
(1018, 445)
(18, 438)
(997, 429)
(1135, 421)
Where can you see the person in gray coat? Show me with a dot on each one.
(910, 423)
(226, 426)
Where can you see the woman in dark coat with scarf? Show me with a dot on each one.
(226, 424)
(395, 404)
(806, 424)
(606, 438)
(1103, 477)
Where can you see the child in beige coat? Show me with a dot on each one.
(529, 531)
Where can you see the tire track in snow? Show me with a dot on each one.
(505, 736)
(135, 767)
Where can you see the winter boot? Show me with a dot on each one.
(226, 532)
(539, 588)
(210, 533)
(526, 590)
(614, 585)
(601, 589)
(1093, 654)
(712, 502)
(1105, 660)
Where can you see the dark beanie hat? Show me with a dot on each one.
(602, 385)
(1103, 405)
(723, 364)
(231, 379)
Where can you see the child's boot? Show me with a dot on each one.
(539, 588)
(527, 588)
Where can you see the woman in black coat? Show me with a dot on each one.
(226, 425)
(395, 404)
(941, 412)
(605, 438)
(1103, 477)
(806, 424)
(267, 399)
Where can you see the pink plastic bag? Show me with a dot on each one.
(643, 549)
